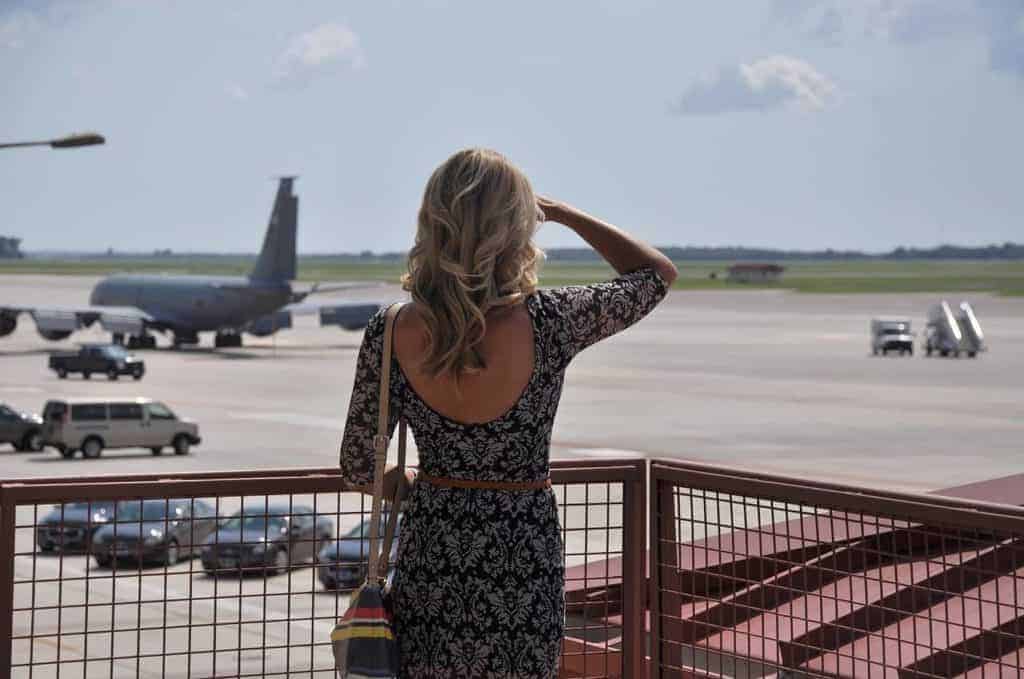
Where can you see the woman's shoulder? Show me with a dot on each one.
(375, 325)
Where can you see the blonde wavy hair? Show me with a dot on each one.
(474, 252)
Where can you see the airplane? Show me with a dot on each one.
(129, 306)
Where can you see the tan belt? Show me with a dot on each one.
(449, 482)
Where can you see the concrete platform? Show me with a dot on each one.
(767, 379)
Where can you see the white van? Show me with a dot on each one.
(90, 425)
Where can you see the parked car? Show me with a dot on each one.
(891, 335)
(102, 359)
(71, 526)
(162, 531)
(24, 431)
(266, 538)
(342, 564)
(90, 425)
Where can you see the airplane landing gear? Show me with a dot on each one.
(146, 341)
(184, 337)
(227, 339)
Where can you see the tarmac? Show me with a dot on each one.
(772, 380)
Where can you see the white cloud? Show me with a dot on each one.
(236, 91)
(23, 22)
(773, 82)
(901, 20)
(327, 47)
(17, 27)
(997, 22)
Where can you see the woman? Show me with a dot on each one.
(479, 359)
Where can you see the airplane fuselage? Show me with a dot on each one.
(193, 303)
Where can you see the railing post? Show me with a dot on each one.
(7, 529)
(633, 578)
(664, 556)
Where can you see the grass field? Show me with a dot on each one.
(998, 276)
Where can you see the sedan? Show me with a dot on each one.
(342, 564)
(266, 539)
(161, 531)
(22, 430)
(72, 525)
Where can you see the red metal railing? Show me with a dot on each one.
(761, 575)
(148, 576)
(751, 575)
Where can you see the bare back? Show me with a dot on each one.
(508, 353)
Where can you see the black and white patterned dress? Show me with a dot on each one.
(479, 573)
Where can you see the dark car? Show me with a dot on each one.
(72, 525)
(103, 359)
(342, 564)
(266, 539)
(24, 431)
(147, 531)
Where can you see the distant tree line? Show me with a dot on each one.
(1004, 251)
(691, 253)
(10, 248)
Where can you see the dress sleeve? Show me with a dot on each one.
(581, 315)
(357, 457)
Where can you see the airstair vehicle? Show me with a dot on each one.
(950, 334)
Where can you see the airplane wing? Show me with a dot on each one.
(318, 289)
(347, 315)
(58, 322)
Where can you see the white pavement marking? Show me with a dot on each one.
(22, 390)
(301, 419)
(134, 590)
(605, 452)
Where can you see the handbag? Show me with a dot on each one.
(363, 640)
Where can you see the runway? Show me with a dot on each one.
(771, 380)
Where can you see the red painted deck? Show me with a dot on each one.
(846, 595)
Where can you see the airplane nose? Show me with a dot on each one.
(97, 296)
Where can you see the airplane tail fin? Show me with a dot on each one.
(277, 261)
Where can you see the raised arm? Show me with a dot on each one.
(624, 252)
(580, 315)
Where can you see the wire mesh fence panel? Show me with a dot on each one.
(220, 575)
(764, 576)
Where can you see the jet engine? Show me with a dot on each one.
(55, 335)
(8, 323)
(269, 324)
(348, 316)
(55, 325)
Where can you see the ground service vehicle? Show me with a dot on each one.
(891, 335)
(21, 430)
(90, 425)
(973, 337)
(102, 359)
(950, 334)
(342, 564)
(266, 538)
(147, 531)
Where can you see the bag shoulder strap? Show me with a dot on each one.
(380, 446)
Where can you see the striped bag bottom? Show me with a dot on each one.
(364, 640)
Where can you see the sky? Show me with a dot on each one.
(798, 124)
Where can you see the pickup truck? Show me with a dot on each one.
(106, 359)
(891, 335)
